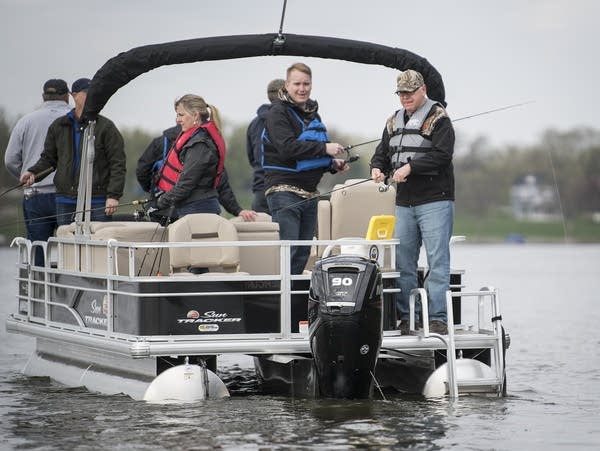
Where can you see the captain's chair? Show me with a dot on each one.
(348, 212)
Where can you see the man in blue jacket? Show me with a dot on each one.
(254, 147)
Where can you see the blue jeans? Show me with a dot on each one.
(39, 212)
(295, 223)
(65, 213)
(431, 225)
(210, 205)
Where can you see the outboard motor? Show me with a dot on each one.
(345, 325)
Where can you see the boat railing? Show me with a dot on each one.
(76, 258)
(495, 333)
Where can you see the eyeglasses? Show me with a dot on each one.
(406, 93)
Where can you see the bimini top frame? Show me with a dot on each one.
(121, 69)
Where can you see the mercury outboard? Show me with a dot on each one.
(345, 325)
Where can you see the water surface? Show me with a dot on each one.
(550, 298)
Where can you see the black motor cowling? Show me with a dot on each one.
(345, 325)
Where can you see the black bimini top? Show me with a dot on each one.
(121, 69)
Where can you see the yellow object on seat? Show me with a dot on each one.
(381, 227)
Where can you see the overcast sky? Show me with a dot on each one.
(490, 53)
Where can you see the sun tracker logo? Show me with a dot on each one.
(208, 318)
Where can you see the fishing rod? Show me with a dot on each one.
(295, 204)
(507, 107)
(27, 221)
(35, 176)
(158, 255)
(385, 187)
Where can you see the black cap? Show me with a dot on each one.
(56, 86)
(81, 84)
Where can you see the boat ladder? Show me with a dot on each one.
(464, 378)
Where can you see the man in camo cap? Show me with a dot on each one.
(416, 151)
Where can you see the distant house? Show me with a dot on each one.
(533, 201)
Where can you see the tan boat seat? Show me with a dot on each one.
(203, 227)
(147, 261)
(258, 260)
(348, 212)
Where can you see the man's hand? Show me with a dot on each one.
(377, 175)
(111, 206)
(340, 165)
(27, 179)
(334, 149)
(401, 173)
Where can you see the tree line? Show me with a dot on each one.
(569, 161)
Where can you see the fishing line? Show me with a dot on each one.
(494, 110)
(377, 385)
(147, 251)
(159, 254)
(560, 206)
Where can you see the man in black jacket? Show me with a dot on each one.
(150, 162)
(416, 151)
(297, 153)
(62, 151)
(254, 147)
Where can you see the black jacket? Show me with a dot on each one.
(253, 147)
(109, 158)
(421, 187)
(155, 151)
(285, 149)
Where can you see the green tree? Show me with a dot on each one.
(136, 141)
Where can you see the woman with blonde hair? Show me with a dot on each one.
(195, 163)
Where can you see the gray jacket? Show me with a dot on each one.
(26, 141)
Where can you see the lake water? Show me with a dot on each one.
(550, 298)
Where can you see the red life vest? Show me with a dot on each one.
(172, 168)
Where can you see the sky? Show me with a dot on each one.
(491, 54)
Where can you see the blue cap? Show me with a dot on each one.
(83, 84)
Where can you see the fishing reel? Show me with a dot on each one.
(140, 213)
(384, 186)
(349, 157)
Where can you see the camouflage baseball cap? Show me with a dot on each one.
(273, 88)
(409, 80)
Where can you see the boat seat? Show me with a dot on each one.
(147, 261)
(348, 212)
(94, 258)
(258, 260)
(203, 227)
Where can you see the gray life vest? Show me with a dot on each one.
(406, 141)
